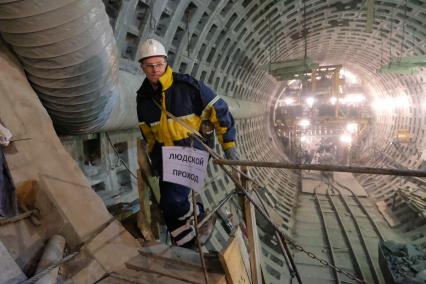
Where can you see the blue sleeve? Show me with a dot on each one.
(217, 111)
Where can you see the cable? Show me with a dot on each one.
(270, 45)
(218, 206)
(305, 35)
(118, 156)
(187, 28)
(390, 37)
(38, 276)
(403, 31)
(152, 21)
(284, 249)
(381, 47)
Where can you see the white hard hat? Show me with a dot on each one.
(149, 48)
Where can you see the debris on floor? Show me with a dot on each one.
(402, 263)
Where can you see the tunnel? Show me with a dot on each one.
(332, 83)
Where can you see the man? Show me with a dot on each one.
(192, 102)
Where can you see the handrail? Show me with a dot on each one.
(326, 168)
(248, 194)
(240, 189)
(193, 134)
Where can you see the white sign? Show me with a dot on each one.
(185, 166)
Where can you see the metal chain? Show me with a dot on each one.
(298, 247)
(325, 262)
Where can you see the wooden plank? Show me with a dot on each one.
(166, 268)
(186, 257)
(180, 254)
(387, 213)
(253, 240)
(148, 217)
(243, 250)
(144, 165)
(232, 261)
(26, 193)
(176, 269)
(144, 214)
(252, 236)
(137, 277)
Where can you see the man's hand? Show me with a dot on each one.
(231, 154)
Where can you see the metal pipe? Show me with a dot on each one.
(52, 253)
(284, 238)
(286, 252)
(326, 168)
(39, 275)
(211, 213)
(292, 268)
(200, 251)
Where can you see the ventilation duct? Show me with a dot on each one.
(68, 50)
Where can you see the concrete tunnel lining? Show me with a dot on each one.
(230, 43)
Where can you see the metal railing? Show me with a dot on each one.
(282, 237)
(326, 168)
(242, 184)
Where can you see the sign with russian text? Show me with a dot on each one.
(185, 166)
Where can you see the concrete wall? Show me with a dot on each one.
(67, 204)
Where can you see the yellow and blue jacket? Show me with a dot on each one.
(189, 100)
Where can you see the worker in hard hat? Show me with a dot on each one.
(192, 102)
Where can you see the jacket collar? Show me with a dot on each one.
(166, 81)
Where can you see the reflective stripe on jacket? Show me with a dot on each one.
(188, 99)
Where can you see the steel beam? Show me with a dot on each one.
(326, 168)
(370, 16)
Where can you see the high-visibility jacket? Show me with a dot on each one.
(189, 100)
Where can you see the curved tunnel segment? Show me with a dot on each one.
(76, 64)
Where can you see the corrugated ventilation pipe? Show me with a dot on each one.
(68, 50)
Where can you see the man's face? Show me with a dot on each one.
(154, 67)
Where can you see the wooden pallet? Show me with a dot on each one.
(174, 264)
